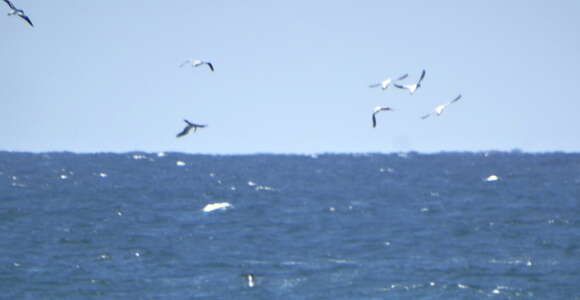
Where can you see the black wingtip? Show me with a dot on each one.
(25, 18)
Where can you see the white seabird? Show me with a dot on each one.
(194, 62)
(251, 279)
(188, 127)
(387, 82)
(412, 87)
(440, 108)
(377, 110)
(18, 12)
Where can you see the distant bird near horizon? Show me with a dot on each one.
(377, 110)
(412, 87)
(188, 127)
(195, 63)
(440, 108)
(18, 12)
(387, 82)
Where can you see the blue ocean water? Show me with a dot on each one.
(331, 226)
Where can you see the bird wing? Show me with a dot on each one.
(25, 17)
(10, 4)
(421, 78)
(426, 116)
(456, 99)
(400, 86)
(403, 77)
(374, 120)
(184, 131)
(188, 123)
(210, 66)
(375, 85)
(184, 63)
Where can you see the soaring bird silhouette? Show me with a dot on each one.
(412, 87)
(378, 109)
(387, 82)
(188, 127)
(195, 62)
(440, 108)
(18, 12)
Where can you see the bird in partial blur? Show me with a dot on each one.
(188, 127)
(440, 108)
(378, 109)
(412, 87)
(18, 12)
(197, 63)
(387, 82)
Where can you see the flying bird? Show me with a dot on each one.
(412, 87)
(439, 108)
(195, 63)
(188, 127)
(18, 12)
(377, 110)
(387, 82)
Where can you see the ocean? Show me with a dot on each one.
(501, 225)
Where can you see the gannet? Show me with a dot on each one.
(439, 108)
(387, 82)
(18, 12)
(195, 63)
(412, 87)
(188, 127)
(377, 110)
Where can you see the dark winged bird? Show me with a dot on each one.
(188, 127)
(378, 109)
(440, 108)
(18, 12)
(412, 87)
(197, 63)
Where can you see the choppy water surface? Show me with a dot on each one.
(397, 226)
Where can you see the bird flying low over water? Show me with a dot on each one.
(439, 108)
(197, 63)
(412, 87)
(188, 127)
(377, 110)
(18, 12)
(387, 82)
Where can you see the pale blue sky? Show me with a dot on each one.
(291, 76)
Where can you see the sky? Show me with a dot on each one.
(290, 76)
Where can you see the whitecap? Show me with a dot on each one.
(492, 178)
(180, 163)
(216, 206)
(264, 188)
